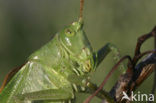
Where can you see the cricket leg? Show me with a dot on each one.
(51, 95)
(90, 87)
(104, 51)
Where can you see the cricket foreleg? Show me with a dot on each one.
(51, 94)
(104, 51)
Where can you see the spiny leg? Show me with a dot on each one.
(104, 51)
(44, 95)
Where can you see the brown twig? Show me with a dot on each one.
(128, 82)
(135, 75)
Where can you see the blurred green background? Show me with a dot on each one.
(26, 25)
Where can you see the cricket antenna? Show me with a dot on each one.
(81, 9)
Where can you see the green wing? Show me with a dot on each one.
(33, 76)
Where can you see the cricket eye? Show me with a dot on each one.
(69, 32)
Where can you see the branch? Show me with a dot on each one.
(129, 82)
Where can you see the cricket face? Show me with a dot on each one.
(76, 43)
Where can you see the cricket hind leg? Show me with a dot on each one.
(46, 96)
(104, 51)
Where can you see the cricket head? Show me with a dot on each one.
(75, 41)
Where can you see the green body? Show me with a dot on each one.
(56, 71)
